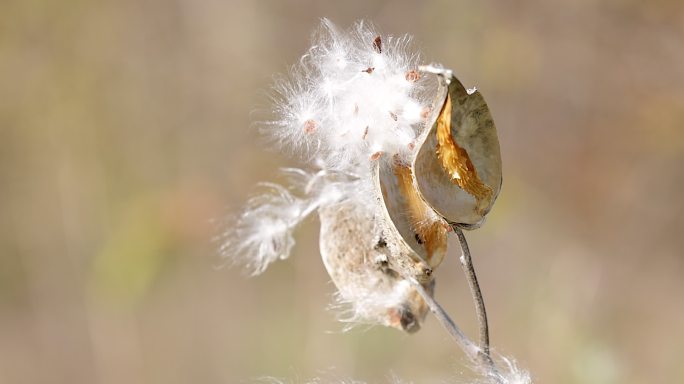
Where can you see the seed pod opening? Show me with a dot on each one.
(415, 223)
(457, 169)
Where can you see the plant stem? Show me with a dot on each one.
(471, 350)
(480, 355)
(469, 270)
(474, 353)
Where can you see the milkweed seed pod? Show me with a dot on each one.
(356, 254)
(390, 177)
(457, 169)
(418, 237)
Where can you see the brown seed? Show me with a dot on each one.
(310, 127)
(369, 70)
(376, 155)
(412, 145)
(425, 113)
(412, 76)
(394, 116)
(365, 133)
(377, 44)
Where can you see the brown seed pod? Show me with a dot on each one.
(457, 169)
(415, 235)
(357, 254)
(418, 226)
(454, 178)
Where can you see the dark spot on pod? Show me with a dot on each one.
(418, 239)
(381, 243)
(390, 272)
(408, 322)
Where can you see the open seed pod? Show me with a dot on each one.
(418, 237)
(454, 178)
(457, 169)
(357, 256)
(371, 252)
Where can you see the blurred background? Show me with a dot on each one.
(125, 129)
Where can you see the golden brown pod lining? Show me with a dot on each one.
(457, 169)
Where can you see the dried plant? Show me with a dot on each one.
(397, 156)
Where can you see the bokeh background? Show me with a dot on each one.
(125, 129)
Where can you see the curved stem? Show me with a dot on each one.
(483, 361)
(469, 270)
(471, 350)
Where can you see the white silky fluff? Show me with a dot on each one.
(263, 232)
(348, 99)
(348, 103)
(358, 304)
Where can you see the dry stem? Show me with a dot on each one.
(469, 270)
(479, 355)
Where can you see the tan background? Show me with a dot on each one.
(124, 128)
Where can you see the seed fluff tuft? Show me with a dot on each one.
(507, 372)
(262, 233)
(354, 99)
(354, 95)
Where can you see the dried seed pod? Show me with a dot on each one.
(420, 235)
(457, 169)
(357, 254)
(454, 178)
